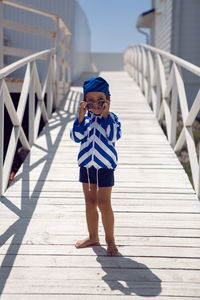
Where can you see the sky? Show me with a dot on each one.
(113, 23)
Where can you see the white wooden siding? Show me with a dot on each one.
(188, 42)
(163, 27)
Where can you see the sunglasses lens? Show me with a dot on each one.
(90, 105)
(101, 103)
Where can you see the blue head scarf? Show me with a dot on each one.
(96, 84)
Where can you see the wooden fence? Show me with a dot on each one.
(164, 92)
(40, 92)
(32, 86)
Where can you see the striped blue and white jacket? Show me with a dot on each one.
(97, 137)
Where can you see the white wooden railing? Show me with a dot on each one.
(61, 36)
(52, 85)
(145, 64)
(32, 86)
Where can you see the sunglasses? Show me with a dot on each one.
(91, 105)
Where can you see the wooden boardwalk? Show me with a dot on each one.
(157, 215)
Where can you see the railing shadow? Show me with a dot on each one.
(127, 275)
(29, 197)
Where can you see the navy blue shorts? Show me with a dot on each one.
(105, 176)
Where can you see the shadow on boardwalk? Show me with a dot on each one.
(127, 275)
(17, 230)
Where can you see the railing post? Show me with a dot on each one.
(1, 35)
(31, 108)
(63, 61)
(138, 65)
(69, 61)
(198, 187)
(150, 76)
(174, 108)
(144, 72)
(57, 62)
(50, 85)
(132, 63)
(1, 136)
(135, 64)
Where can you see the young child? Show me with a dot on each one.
(97, 131)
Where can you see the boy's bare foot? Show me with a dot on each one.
(86, 243)
(112, 249)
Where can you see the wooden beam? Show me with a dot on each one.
(40, 12)
(28, 29)
(20, 63)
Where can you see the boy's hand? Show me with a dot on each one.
(82, 111)
(105, 111)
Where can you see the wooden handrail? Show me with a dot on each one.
(179, 61)
(20, 63)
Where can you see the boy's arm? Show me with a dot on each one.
(78, 131)
(112, 127)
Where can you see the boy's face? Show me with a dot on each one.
(95, 102)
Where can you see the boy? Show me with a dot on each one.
(97, 132)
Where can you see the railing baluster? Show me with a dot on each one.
(198, 181)
(174, 111)
(1, 135)
(10, 155)
(31, 106)
(192, 155)
(181, 93)
(68, 61)
(24, 93)
(193, 111)
(50, 88)
(57, 66)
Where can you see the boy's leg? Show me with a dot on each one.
(92, 216)
(104, 204)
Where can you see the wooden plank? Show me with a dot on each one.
(122, 186)
(132, 251)
(56, 228)
(80, 296)
(78, 205)
(131, 202)
(103, 287)
(111, 274)
(72, 192)
(55, 261)
(46, 237)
